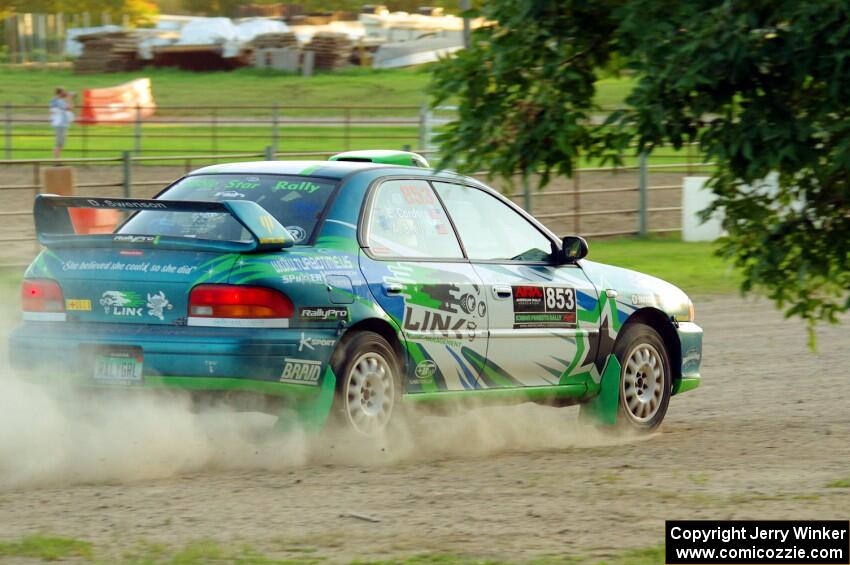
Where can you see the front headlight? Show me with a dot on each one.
(692, 314)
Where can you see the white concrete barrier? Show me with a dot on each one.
(696, 198)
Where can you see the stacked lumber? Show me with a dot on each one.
(332, 50)
(275, 41)
(108, 52)
(262, 11)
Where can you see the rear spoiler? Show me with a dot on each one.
(55, 229)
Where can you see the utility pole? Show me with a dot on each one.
(464, 6)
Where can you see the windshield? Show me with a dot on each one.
(295, 201)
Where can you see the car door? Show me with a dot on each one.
(543, 317)
(417, 272)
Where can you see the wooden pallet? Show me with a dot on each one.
(332, 50)
(109, 52)
(275, 41)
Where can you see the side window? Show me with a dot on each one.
(490, 229)
(407, 220)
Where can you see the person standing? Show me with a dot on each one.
(61, 116)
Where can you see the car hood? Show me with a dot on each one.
(638, 290)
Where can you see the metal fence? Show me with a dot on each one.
(209, 130)
(638, 199)
(40, 38)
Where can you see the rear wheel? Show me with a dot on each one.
(368, 388)
(645, 378)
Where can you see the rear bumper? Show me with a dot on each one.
(182, 357)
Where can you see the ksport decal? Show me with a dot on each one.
(311, 343)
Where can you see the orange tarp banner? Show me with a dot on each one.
(117, 104)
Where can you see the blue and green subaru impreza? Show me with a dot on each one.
(348, 288)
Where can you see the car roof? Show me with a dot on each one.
(327, 169)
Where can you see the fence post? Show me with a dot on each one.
(269, 153)
(276, 128)
(137, 132)
(424, 136)
(576, 202)
(214, 124)
(8, 131)
(128, 174)
(526, 193)
(643, 187)
(347, 128)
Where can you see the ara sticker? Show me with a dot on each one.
(544, 306)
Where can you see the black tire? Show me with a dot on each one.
(365, 400)
(644, 394)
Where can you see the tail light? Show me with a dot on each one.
(238, 305)
(41, 295)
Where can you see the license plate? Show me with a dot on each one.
(118, 367)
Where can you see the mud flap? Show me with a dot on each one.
(602, 409)
(310, 414)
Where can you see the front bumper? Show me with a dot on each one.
(690, 338)
(191, 358)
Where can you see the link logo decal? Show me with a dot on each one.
(450, 311)
(122, 303)
(544, 306)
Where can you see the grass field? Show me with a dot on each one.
(35, 142)
(252, 87)
(241, 94)
(242, 87)
(52, 548)
(693, 267)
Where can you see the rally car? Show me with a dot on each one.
(351, 287)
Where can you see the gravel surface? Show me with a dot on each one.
(761, 438)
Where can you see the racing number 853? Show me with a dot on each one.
(560, 298)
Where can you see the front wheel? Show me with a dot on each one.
(645, 378)
(367, 383)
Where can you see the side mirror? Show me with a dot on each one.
(573, 248)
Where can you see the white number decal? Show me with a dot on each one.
(560, 298)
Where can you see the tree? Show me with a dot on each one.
(761, 85)
(137, 10)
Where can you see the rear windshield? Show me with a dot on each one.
(296, 202)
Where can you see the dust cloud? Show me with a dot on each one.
(60, 435)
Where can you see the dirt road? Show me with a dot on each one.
(762, 438)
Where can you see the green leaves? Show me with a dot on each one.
(525, 87)
(763, 86)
